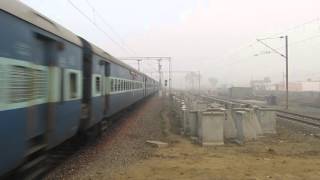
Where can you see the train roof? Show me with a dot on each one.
(109, 57)
(26, 13)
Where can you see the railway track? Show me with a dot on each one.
(305, 119)
(282, 114)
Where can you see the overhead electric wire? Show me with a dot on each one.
(317, 20)
(98, 27)
(110, 27)
(295, 42)
(150, 66)
(304, 40)
(281, 33)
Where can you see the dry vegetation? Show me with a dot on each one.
(288, 155)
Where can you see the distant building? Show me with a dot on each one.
(300, 86)
(293, 86)
(311, 86)
(264, 84)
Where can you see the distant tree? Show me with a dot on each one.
(213, 82)
(192, 78)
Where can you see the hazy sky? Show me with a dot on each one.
(216, 37)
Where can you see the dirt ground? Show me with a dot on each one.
(287, 155)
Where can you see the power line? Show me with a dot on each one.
(99, 28)
(316, 20)
(300, 41)
(247, 58)
(293, 43)
(110, 27)
(148, 63)
(304, 40)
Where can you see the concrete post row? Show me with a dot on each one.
(210, 128)
(245, 130)
(230, 131)
(267, 119)
(252, 119)
(193, 118)
(184, 120)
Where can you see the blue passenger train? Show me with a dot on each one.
(54, 84)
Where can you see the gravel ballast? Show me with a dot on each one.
(123, 145)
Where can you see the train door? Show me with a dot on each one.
(144, 86)
(86, 84)
(107, 86)
(40, 116)
(35, 81)
(98, 90)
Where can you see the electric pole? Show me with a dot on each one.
(170, 73)
(287, 74)
(286, 56)
(154, 58)
(160, 80)
(199, 76)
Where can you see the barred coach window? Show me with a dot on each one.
(73, 85)
(98, 85)
(112, 85)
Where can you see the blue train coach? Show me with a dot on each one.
(54, 85)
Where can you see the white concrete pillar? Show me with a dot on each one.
(229, 127)
(184, 119)
(245, 131)
(267, 119)
(210, 128)
(193, 122)
(252, 119)
(255, 122)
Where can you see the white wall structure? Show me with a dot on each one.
(311, 86)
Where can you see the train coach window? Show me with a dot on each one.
(72, 86)
(118, 85)
(96, 85)
(111, 84)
